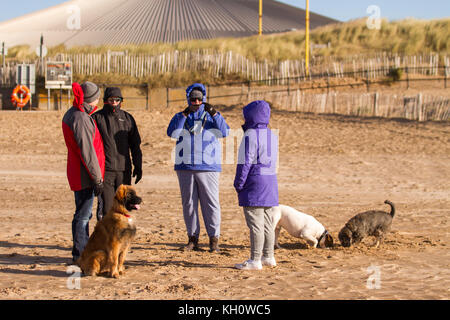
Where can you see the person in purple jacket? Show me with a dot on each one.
(256, 184)
(198, 159)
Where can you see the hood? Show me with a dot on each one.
(78, 101)
(112, 92)
(256, 114)
(78, 96)
(197, 86)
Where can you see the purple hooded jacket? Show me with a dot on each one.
(256, 179)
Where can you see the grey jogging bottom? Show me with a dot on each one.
(262, 234)
(200, 186)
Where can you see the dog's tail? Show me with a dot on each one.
(392, 213)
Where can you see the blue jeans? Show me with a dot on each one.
(84, 200)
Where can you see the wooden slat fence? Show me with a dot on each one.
(420, 107)
(219, 63)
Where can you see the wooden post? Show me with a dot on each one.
(289, 86)
(4, 56)
(334, 102)
(147, 97)
(167, 95)
(368, 80)
(60, 97)
(328, 82)
(375, 103)
(419, 107)
(407, 77)
(108, 61)
(445, 75)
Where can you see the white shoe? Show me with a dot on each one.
(249, 265)
(270, 262)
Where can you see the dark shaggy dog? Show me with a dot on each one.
(108, 245)
(369, 223)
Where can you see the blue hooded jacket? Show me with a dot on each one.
(256, 179)
(197, 135)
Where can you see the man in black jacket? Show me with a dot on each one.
(120, 136)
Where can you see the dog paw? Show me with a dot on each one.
(114, 274)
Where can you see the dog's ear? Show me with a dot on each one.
(121, 193)
(345, 237)
(329, 241)
(356, 237)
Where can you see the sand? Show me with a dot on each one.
(331, 167)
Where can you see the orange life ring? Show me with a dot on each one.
(20, 96)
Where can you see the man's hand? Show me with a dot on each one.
(98, 189)
(210, 109)
(138, 174)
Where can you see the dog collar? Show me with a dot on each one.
(127, 215)
(323, 235)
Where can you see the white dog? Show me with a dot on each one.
(300, 225)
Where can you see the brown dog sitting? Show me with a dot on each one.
(108, 245)
(370, 223)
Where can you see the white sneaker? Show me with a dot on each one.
(249, 265)
(269, 262)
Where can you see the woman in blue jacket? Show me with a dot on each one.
(256, 184)
(198, 158)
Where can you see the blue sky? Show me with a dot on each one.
(342, 10)
(345, 10)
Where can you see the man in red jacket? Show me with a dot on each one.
(85, 159)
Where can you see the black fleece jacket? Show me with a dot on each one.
(120, 136)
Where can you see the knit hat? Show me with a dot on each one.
(112, 92)
(91, 91)
(196, 94)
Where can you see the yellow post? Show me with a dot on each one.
(307, 39)
(260, 17)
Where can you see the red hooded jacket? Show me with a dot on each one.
(85, 157)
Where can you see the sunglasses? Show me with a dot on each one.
(195, 99)
(114, 99)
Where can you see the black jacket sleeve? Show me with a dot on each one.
(134, 141)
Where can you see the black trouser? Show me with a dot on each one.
(113, 179)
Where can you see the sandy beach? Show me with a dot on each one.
(330, 166)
